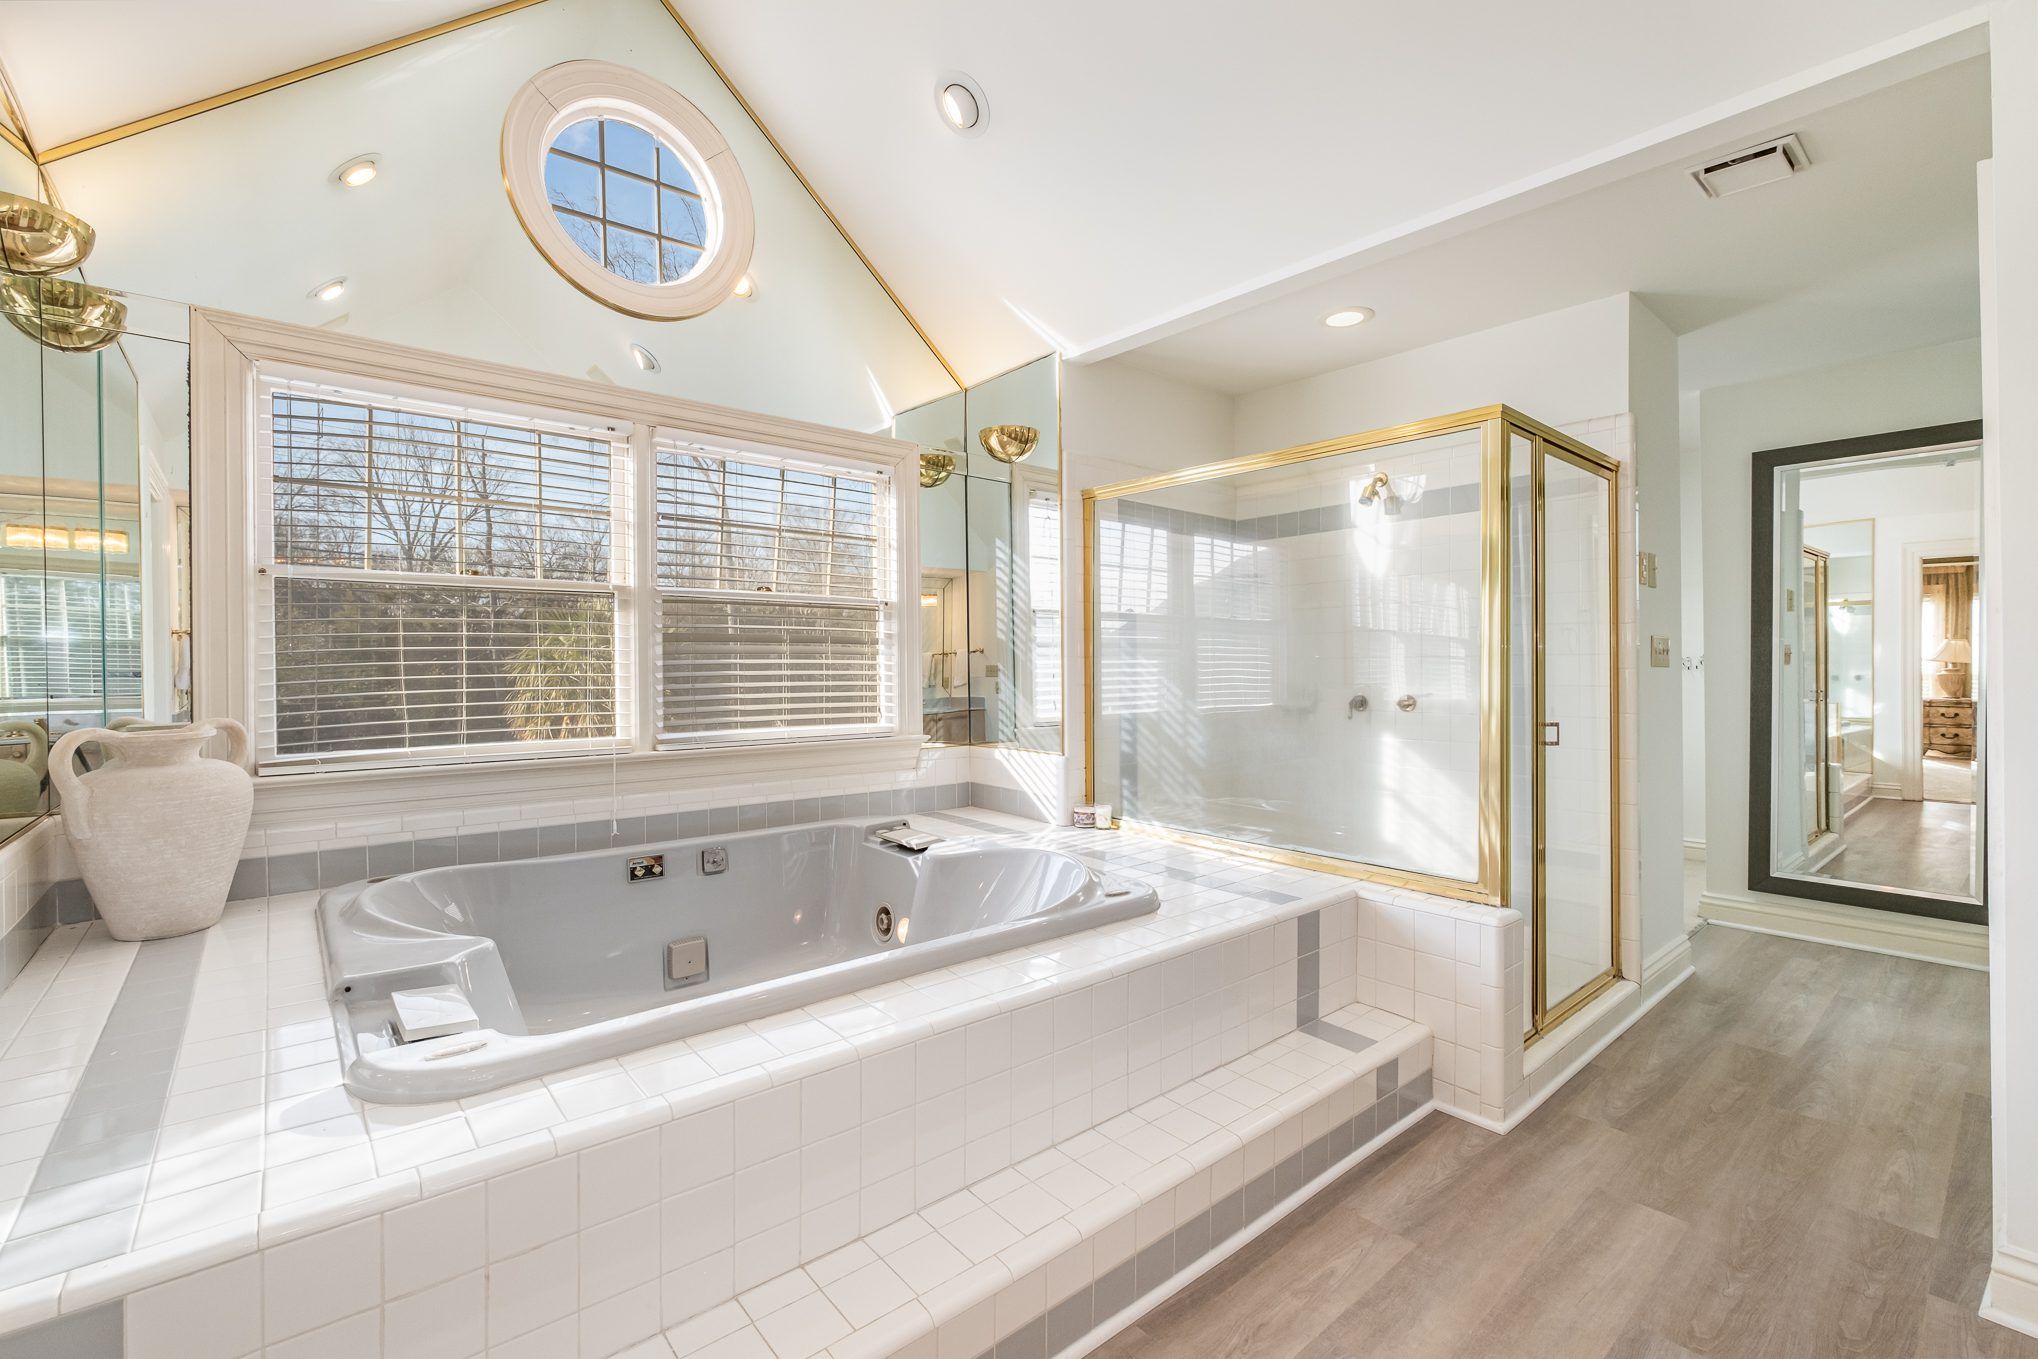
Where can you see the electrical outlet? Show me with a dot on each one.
(1659, 652)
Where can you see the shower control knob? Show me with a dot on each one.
(1358, 704)
(1406, 703)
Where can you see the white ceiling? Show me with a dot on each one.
(1137, 178)
(1136, 167)
(1872, 249)
(142, 57)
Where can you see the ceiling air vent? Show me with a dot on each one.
(1753, 167)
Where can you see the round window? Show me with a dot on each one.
(627, 190)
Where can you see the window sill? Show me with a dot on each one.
(376, 793)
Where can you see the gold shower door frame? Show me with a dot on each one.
(1545, 1014)
(1494, 425)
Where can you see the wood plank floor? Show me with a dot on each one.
(1924, 846)
(1788, 1158)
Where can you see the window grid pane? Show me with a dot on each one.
(381, 488)
(367, 666)
(638, 214)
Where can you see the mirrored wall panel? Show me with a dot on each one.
(990, 560)
(1867, 711)
(95, 522)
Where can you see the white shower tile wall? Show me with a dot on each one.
(1383, 604)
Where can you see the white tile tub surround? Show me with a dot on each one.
(289, 850)
(671, 1181)
(1458, 969)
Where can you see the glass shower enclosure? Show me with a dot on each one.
(1389, 655)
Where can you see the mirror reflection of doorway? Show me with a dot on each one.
(1870, 759)
(1949, 718)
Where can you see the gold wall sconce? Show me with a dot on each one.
(61, 314)
(36, 238)
(935, 468)
(1008, 443)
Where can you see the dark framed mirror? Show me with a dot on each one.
(1865, 783)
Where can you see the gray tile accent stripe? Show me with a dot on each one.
(1308, 967)
(86, 1198)
(310, 870)
(1068, 1320)
(1336, 1033)
(95, 1333)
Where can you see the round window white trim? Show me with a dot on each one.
(562, 95)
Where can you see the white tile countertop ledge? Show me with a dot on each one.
(258, 1143)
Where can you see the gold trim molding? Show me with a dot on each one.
(812, 192)
(277, 82)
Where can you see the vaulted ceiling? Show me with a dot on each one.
(1143, 169)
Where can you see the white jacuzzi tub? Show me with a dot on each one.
(566, 960)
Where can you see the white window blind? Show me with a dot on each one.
(441, 581)
(775, 593)
(58, 647)
(1043, 577)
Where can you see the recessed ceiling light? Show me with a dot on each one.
(644, 358)
(358, 171)
(960, 101)
(1348, 316)
(328, 291)
(746, 286)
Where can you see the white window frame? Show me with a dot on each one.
(274, 379)
(230, 354)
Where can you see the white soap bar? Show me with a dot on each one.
(432, 1012)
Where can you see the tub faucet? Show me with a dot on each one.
(903, 836)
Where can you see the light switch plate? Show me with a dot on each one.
(1647, 570)
(1659, 652)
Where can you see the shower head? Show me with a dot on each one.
(1380, 490)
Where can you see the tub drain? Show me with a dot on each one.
(881, 924)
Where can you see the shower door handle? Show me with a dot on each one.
(1553, 733)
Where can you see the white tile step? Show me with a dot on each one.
(1096, 1229)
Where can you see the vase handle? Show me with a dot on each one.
(236, 739)
(72, 797)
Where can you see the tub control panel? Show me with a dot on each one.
(645, 867)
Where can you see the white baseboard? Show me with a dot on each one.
(2011, 1298)
(1694, 851)
(1952, 942)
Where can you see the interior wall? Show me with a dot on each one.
(1561, 367)
(1656, 698)
(1907, 390)
(434, 255)
(1691, 572)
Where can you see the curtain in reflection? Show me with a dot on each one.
(1949, 603)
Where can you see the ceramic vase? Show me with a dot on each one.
(157, 829)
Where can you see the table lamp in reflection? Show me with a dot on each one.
(1954, 656)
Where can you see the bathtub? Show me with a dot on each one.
(579, 957)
